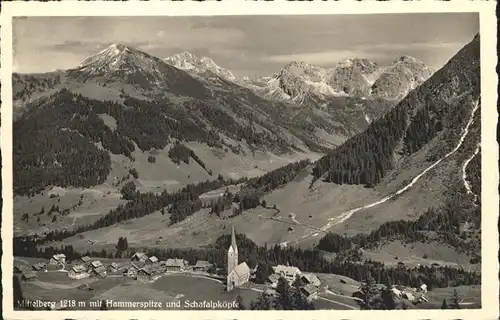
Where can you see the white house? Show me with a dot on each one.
(139, 256)
(78, 272)
(96, 264)
(58, 259)
(152, 260)
(287, 272)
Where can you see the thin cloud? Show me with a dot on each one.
(247, 45)
(321, 58)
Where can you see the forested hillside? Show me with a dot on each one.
(437, 109)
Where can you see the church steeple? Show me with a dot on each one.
(233, 241)
(232, 253)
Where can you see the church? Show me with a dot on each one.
(237, 274)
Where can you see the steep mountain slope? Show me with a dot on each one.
(436, 111)
(413, 175)
(119, 63)
(399, 78)
(189, 62)
(121, 99)
(354, 76)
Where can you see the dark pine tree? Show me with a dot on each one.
(444, 305)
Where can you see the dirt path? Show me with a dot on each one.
(464, 172)
(346, 215)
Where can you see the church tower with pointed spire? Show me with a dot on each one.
(232, 253)
(237, 274)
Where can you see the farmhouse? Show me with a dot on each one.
(310, 291)
(99, 272)
(78, 272)
(113, 267)
(139, 256)
(86, 260)
(238, 274)
(273, 279)
(29, 276)
(310, 278)
(152, 260)
(202, 265)
(40, 267)
(96, 264)
(146, 274)
(58, 259)
(289, 273)
(132, 269)
(175, 265)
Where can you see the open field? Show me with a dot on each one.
(470, 296)
(85, 206)
(170, 288)
(412, 254)
(303, 212)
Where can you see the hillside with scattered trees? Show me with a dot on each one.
(437, 110)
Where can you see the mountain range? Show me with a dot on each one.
(302, 83)
(396, 152)
(298, 110)
(126, 100)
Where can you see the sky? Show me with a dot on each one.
(247, 45)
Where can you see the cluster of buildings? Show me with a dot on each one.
(146, 269)
(29, 273)
(240, 273)
(414, 295)
(309, 282)
(140, 266)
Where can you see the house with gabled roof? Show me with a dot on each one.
(99, 272)
(58, 259)
(113, 267)
(139, 256)
(175, 265)
(152, 260)
(85, 260)
(96, 264)
(287, 272)
(29, 276)
(310, 278)
(132, 269)
(146, 274)
(273, 279)
(310, 291)
(40, 266)
(202, 265)
(78, 272)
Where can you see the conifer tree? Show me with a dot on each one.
(444, 305)
(283, 301)
(455, 304)
(368, 292)
(388, 302)
(264, 302)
